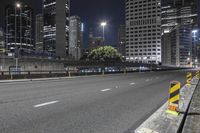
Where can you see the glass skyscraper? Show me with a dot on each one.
(18, 30)
(179, 20)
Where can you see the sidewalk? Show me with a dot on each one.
(192, 123)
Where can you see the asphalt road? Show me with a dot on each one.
(97, 104)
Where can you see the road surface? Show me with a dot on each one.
(116, 103)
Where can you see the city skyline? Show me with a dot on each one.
(144, 24)
(91, 13)
(113, 12)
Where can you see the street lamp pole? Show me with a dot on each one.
(103, 24)
(104, 35)
(20, 28)
(195, 47)
(15, 29)
(16, 47)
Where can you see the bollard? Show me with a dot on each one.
(174, 98)
(11, 76)
(103, 73)
(189, 78)
(124, 71)
(69, 73)
(197, 74)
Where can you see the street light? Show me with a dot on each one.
(195, 47)
(103, 24)
(18, 5)
(194, 31)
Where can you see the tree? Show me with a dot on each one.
(105, 54)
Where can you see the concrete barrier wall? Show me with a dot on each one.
(31, 65)
(192, 123)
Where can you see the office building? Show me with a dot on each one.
(143, 31)
(56, 27)
(39, 32)
(75, 38)
(2, 42)
(19, 30)
(122, 40)
(179, 19)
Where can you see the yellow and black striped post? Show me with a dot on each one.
(189, 78)
(197, 74)
(174, 98)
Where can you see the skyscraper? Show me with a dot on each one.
(2, 42)
(179, 19)
(143, 31)
(56, 27)
(18, 28)
(39, 32)
(75, 35)
(122, 39)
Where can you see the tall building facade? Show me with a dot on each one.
(39, 32)
(122, 40)
(56, 27)
(75, 37)
(143, 31)
(2, 42)
(179, 19)
(19, 30)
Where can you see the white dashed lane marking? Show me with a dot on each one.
(132, 83)
(106, 90)
(147, 80)
(44, 104)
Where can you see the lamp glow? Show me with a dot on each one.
(103, 24)
(18, 5)
(194, 31)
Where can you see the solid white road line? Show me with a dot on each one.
(147, 80)
(132, 83)
(44, 104)
(106, 90)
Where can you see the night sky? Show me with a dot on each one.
(92, 12)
